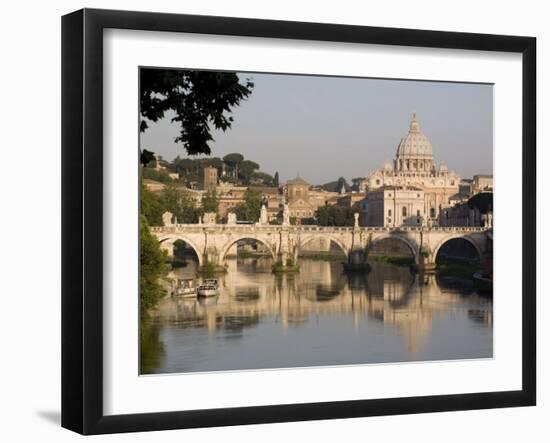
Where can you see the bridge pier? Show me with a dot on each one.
(357, 261)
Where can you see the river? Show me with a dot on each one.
(317, 317)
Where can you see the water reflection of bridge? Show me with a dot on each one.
(392, 295)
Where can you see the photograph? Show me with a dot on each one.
(296, 221)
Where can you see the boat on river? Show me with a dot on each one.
(209, 288)
(185, 287)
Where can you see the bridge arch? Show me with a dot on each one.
(173, 238)
(468, 238)
(306, 239)
(411, 244)
(259, 239)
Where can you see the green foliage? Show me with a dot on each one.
(246, 169)
(233, 159)
(147, 158)
(276, 179)
(262, 178)
(210, 202)
(293, 220)
(288, 266)
(325, 256)
(201, 100)
(482, 201)
(180, 248)
(209, 269)
(152, 268)
(336, 186)
(238, 170)
(456, 268)
(397, 260)
(158, 175)
(250, 209)
(180, 204)
(151, 347)
(334, 216)
(151, 206)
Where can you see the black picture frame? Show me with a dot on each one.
(82, 219)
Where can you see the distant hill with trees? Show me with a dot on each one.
(233, 168)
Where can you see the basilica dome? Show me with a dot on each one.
(414, 144)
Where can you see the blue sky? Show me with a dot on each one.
(326, 127)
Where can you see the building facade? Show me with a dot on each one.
(393, 206)
(414, 172)
(209, 178)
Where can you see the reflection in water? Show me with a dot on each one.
(319, 316)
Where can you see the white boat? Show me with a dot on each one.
(209, 288)
(185, 287)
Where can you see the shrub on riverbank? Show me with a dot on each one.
(324, 256)
(397, 260)
(456, 268)
(152, 268)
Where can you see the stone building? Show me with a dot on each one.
(392, 206)
(272, 199)
(349, 200)
(414, 168)
(229, 196)
(209, 178)
(303, 201)
(482, 182)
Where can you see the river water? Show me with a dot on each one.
(317, 317)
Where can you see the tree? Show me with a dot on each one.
(482, 201)
(201, 100)
(276, 179)
(147, 157)
(250, 209)
(157, 175)
(152, 268)
(246, 169)
(210, 202)
(334, 216)
(151, 206)
(262, 177)
(232, 160)
(180, 203)
(335, 186)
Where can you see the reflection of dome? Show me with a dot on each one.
(414, 144)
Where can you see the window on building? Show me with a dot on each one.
(377, 182)
(404, 211)
(418, 212)
(432, 212)
(389, 212)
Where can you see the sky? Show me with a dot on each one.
(322, 128)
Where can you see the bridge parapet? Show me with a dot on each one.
(311, 228)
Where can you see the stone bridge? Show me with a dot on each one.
(212, 242)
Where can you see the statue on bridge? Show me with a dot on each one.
(167, 218)
(263, 216)
(286, 215)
